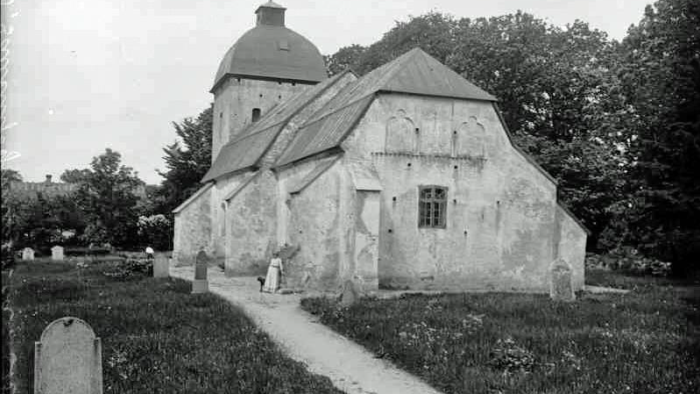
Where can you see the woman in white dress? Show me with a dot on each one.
(274, 272)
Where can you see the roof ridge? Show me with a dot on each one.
(324, 116)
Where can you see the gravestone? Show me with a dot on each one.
(68, 359)
(200, 283)
(28, 254)
(57, 253)
(161, 266)
(349, 295)
(561, 286)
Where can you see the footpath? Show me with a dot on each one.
(350, 367)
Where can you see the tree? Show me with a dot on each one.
(187, 161)
(346, 57)
(106, 196)
(661, 81)
(555, 90)
(432, 32)
(75, 175)
(10, 206)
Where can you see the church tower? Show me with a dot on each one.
(267, 65)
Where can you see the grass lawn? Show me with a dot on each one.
(646, 341)
(156, 336)
(5, 339)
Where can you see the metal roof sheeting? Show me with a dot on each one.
(414, 72)
(423, 74)
(325, 133)
(241, 154)
(251, 145)
(258, 54)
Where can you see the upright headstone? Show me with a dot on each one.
(161, 266)
(28, 254)
(200, 283)
(68, 359)
(349, 295)
(57, 253)
(561, 286)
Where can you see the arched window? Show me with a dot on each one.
(401, 134)
(256, 114)
(470, 139)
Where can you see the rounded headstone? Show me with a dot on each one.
(349, 295)
(68, 359)
(57, 253)
(561, 286)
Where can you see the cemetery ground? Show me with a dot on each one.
(645, 341)
(156, 336)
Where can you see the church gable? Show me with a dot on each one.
(415, 72)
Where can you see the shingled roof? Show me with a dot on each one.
(251, 144)
(414, 72)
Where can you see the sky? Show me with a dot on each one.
(84, 75)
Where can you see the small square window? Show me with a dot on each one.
(432, 206)
(283, 45)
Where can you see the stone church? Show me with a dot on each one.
(406, 177)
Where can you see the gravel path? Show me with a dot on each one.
(350, 367)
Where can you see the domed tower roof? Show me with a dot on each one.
(270, 50)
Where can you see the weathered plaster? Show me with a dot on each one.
(251, 219)
(500, 209)
(572, 246)
(316, 225)
(192, 229)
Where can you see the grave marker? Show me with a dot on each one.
(57, 253)
(28, 254)
(68, 359)
(200, 283)
(561, 286)
(349, 295)
(161, 266)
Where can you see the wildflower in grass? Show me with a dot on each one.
(509, 357)
(570, 359)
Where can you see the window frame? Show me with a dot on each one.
(433, 204)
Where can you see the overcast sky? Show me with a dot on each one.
(89, 74)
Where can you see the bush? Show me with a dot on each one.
(155, 230)
(8, 257)
(628, 260)
(131, 268)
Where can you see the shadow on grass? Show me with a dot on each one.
(156, 336)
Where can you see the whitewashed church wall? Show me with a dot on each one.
(572, 246)
(318, 226)
(499, 230)
(251, 227)
(193, 229)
